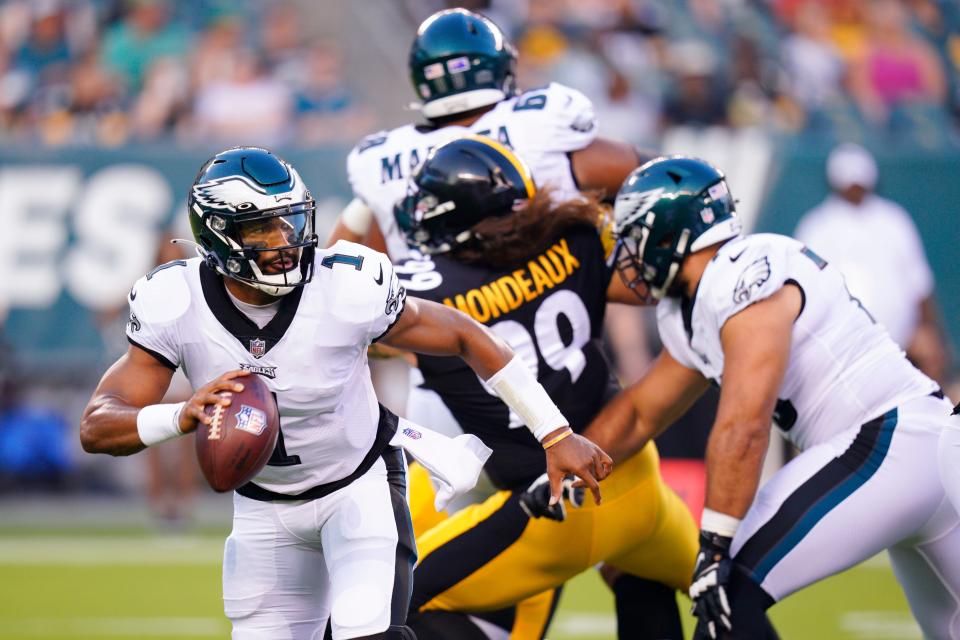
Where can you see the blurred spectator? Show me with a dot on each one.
(895, 66)
(696, 97)
(875, 243)
(327, 109)
(247, 107)
(813, 64)
(145, 34)
(46, 44)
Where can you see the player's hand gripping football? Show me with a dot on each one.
(575, 455)
(217, 391)
(709, 587)
(535, 501)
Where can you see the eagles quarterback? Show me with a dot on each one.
(538, 273)
(323, 531)
(772, 324)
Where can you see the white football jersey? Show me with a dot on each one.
(312, 355)
(541, 126)
(844, 369)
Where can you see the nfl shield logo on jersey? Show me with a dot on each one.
(251, 420)
(412, 433)
(258, 347)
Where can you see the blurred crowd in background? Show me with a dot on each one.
(109, 72)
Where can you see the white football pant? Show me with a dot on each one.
(873, 487)
(288, 566)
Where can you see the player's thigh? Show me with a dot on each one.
(369, 551)
(274, 583)
(667, 554)
(929, 571)
(948, 457)
(492, 555)
(838, 504)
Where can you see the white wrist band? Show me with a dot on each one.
(159, 422)
(719, 523)
(357, 217)
(519, 389)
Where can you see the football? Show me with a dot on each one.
(236, 445)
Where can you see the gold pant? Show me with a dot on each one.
(491, 556)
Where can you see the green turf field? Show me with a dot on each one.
(125, 586)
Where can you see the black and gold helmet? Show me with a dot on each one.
(459, 184)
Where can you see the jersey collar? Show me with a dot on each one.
(254, 339)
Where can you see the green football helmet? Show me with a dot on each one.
(461, 61)
(667, 209)
(246, 202)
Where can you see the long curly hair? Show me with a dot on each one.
(504, 241)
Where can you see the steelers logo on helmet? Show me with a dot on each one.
(667, 209)
(460, 184)
(253, 219)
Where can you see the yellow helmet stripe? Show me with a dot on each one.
(517, 163)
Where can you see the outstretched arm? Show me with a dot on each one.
(604, 164)
(645, 409)
(431, 328)
(756, 348)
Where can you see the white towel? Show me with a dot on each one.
(454, 464)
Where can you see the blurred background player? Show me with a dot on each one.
(772, 323)
(536, 271)
(875, 244)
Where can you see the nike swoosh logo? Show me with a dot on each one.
(737, 257)
(379, 279)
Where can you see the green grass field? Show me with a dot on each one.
(124, 586)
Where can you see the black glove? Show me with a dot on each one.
(708, 589)
(535, 501)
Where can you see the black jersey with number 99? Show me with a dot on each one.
(549, 309)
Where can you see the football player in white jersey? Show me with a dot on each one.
(323, 531)
(464, 72)
(773, 325)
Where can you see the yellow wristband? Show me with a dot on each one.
(554, 440)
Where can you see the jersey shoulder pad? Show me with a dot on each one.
(163, 295)
(745, 271)
(364, 162)
(360, 284)
(561, 120)
(373, 140)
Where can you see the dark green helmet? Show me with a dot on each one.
(461, 61)
(459, 184)
(253, 218)
(666, 210)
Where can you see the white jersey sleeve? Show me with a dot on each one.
(743, 275)
(364, 288)
(560, 119)
(157, 302)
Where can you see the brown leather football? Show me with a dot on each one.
(237, 444)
